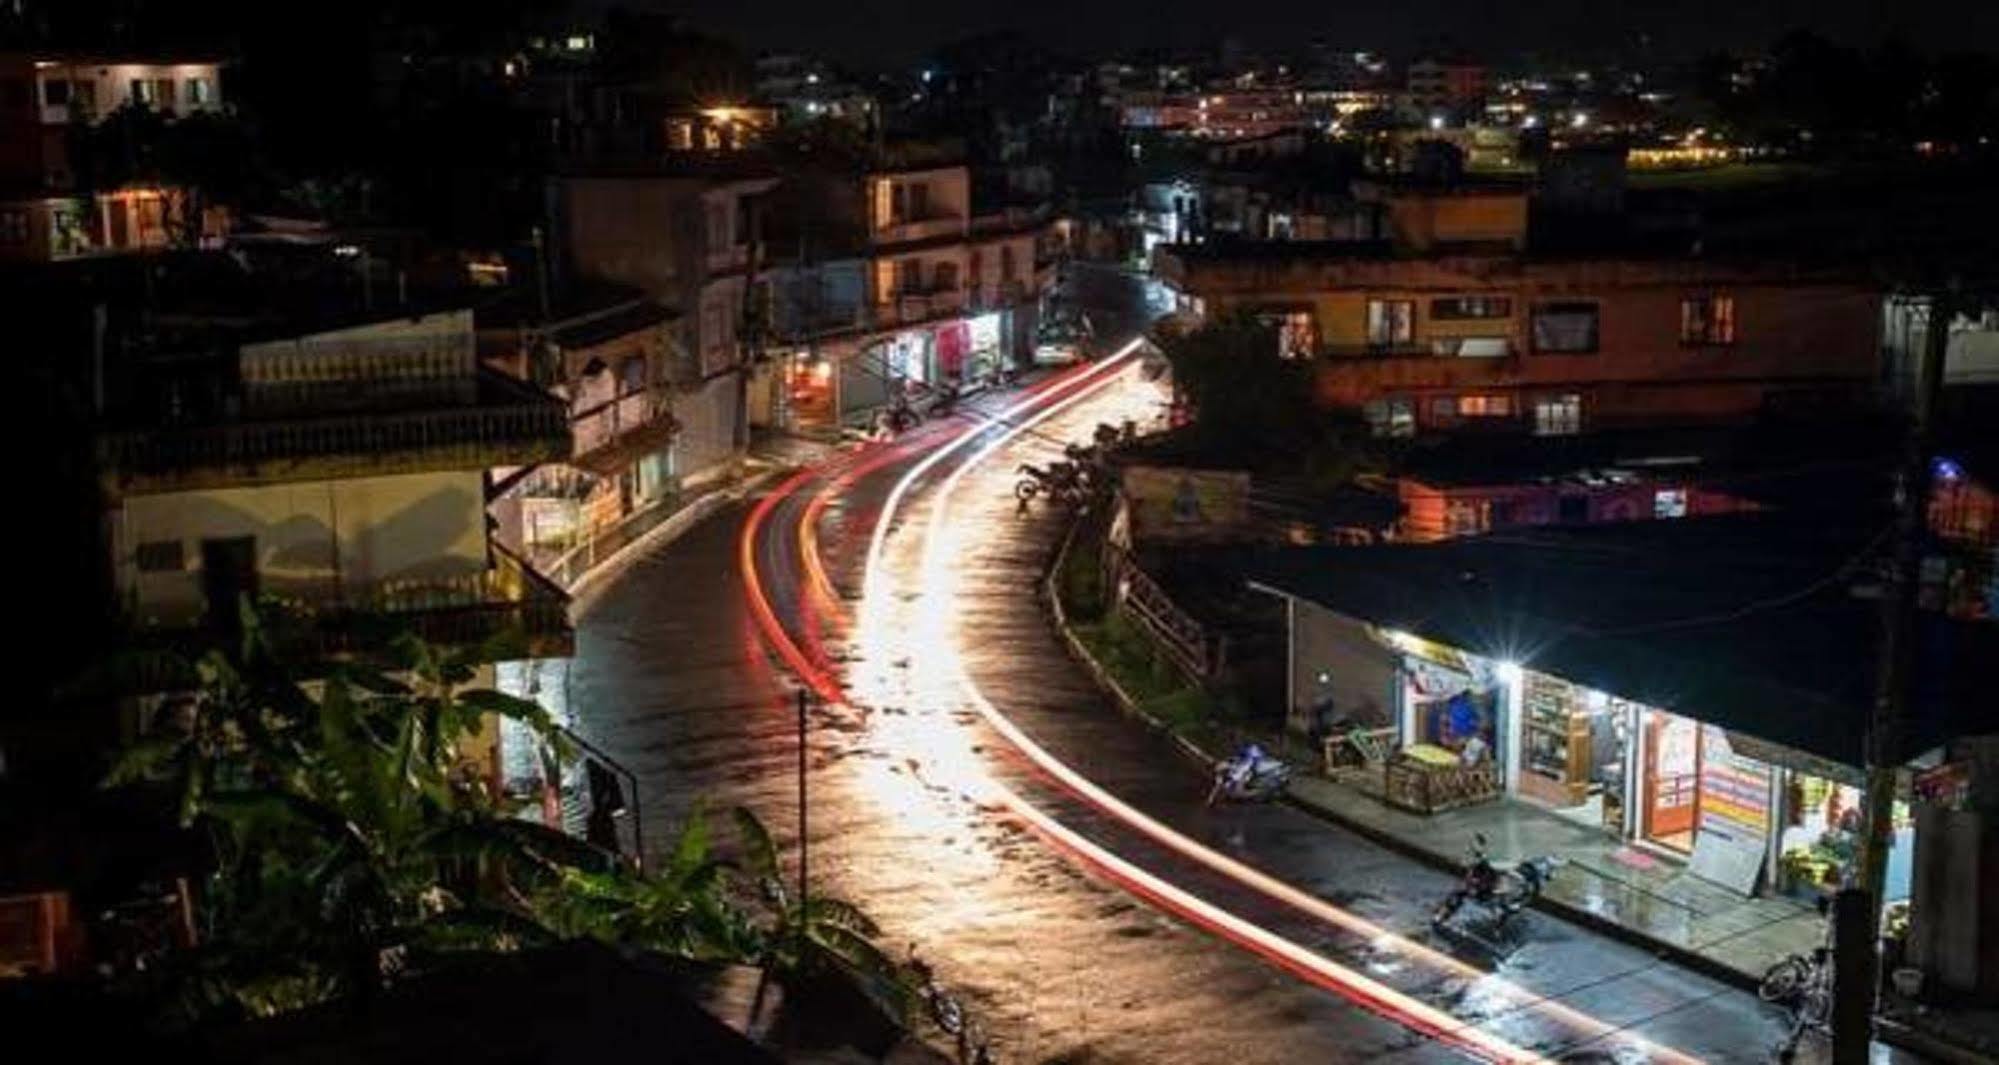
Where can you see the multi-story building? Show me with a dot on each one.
(339, 470)
(684, 233)
(1446, 86)
(919, 284)
(1455, 325)
(43, 97)
(612, 355)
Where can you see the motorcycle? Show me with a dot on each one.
(1251, 776)
(1061, 482)
(1503, 890)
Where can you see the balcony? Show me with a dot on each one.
(1011, 220)
(915, 308)
(914, 230)
(612, 436)
(508, 611)
(509, 426)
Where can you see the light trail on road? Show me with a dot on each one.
(987, 791)
(936, 583)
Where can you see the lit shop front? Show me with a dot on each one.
(1677, 788)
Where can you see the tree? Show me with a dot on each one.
(1248, 405)
(348, 844)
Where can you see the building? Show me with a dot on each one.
(613, 356)
(1454, 325)
(918, 274)
(1446, 86)
(684, 234)
(43, 217)
(1665, 682)
(335, 472)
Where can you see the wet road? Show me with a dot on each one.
(912, 789)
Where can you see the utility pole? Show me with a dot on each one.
(1860, 977)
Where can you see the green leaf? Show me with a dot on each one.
(759, 852)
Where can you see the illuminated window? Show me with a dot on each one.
(1706, 320)
(1669, 503)
(1390, 417)
(1463, 307)
(1558, 415)
(1391, 322)
(200, 92)
(1485, 406)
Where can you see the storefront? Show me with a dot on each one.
(1452, 701)
(1575, 746)
(1821, 836)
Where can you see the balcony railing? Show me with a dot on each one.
(1010, 219)
(520, 433)
(911, 308)
(469, 611)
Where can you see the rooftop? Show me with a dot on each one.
(1760, 622)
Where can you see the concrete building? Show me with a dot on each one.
(683, 233)
(1446, 85)
(42, 217)
(612, 355)
(914, 282)
(339, 471)
(1454, 326)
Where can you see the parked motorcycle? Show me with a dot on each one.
(1503, 890)
(1060, 481)
(1251, 776)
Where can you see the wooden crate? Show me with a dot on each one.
(1428, 789)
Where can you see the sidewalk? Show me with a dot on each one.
(1602, 882)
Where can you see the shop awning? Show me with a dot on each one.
(1749, 622)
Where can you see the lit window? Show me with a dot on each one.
(200, 93)
(1706, 320)
(1391, 322)
(1391, 417)
(1485, 406)
(1669, 503)
(1558, 415)
(1461, 307)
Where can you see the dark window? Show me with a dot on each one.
(908, 275)
(1444, 409)
(919, 202)
(1572, 510)
(1006, 263)
(1565, 328)
(947, 276)
(1707, 320)
(55, 93)
(632, 375)
(161, 556)
(1460, 307)
(13, 227)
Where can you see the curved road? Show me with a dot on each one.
(912, 786)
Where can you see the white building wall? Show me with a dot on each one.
(315, 540)
(705, 446)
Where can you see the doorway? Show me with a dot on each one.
(228, 574)
(1672, 780)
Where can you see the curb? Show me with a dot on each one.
(583, 593)
(1572, 914)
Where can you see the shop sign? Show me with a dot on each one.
(1947, 785)
(1791, 757)
(1734, 815)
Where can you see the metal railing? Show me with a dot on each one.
(492, 432)
(1201, 654)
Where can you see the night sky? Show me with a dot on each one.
(883, 32)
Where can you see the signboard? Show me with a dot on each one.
(1734, 830)
(1181, 505)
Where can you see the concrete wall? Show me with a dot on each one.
(1334, 656)
(315, 540)
(706, 447)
